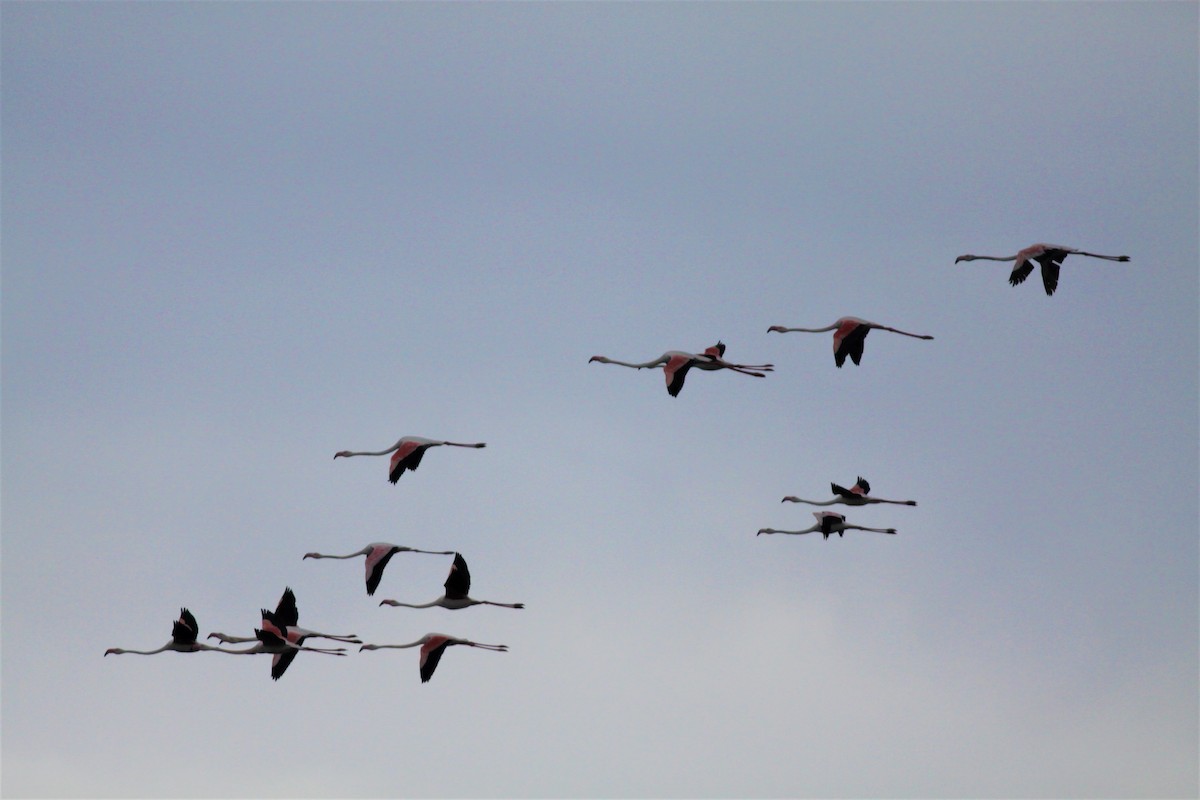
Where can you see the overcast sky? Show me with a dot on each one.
(239, 237)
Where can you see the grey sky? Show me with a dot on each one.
(240, 237)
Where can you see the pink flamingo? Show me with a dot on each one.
(432, 646)
(283, 623)
(856, 495)
(829, 522)
(275, 640)
(183, 640)
(1050, 256)
(849, 335)
(407, 453)
(378, 555)
(283, 651)
(676, 363)
(457, 584)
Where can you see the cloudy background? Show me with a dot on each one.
(240, 237)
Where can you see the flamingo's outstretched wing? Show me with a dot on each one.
(1051, 262)
(286, 612)
(675, 370)
(431, 654)
(458, 582)
(185, 629)
(1021, 270)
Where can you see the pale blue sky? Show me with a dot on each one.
(240, 237)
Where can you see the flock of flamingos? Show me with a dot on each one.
(280, 635)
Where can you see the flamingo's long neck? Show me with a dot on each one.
(121, 651)
(417, 643)
(989, 258)
(826, 329)
(792, 533)
(330, 555)
(646, 365)
(812, 502)
(380, 453)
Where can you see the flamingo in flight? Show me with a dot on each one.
(378, 555)
(457, 584)
(432, 646)
(849, 334)
(676, 363)
(283, 622)
(407, 453)
(183, 640)
(856, 495)
(284, 652)
(1050, 256)
(277, 641)
(829, 522)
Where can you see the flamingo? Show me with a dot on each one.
(849, 335)
(676, 363)
(457, 584)
(407, 453)
(283, 623)
(829, 522)
(856, 495)
(378, 554)
(1050, 256)
(183, 640)
(432, 646)
(284, 652)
